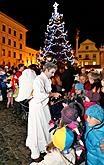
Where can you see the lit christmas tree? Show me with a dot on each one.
(56, 44)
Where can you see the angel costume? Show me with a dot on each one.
(39, 116)
(25, 84)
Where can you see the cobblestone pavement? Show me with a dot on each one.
(12, 138)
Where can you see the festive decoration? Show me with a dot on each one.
(56, 45)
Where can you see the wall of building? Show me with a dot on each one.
(13, 48)
(88, 54)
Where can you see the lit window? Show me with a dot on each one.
(94, 62)
(86, 63)
(3, 52)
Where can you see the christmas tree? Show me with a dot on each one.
(56, 44)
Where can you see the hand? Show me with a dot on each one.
(102, 145)
(49, 147)
(56, 94)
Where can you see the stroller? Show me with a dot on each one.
(22, 109)
(56, 106)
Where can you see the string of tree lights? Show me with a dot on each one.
(56, 45)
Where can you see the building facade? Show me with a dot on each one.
(88, 55)
(13, 49)
(102, 56)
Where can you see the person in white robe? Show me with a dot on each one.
(38, 135)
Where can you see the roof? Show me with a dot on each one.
(1, 13)
(87, 41)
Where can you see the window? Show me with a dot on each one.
(87, 56)
(9, 30)
(20, 46)
(14, 32)
(94, 62)
(9, 41)
(3, 40)
(29, 54)
(80, 56)
(9, 53)
(20, 36)
(9, 64)
(20, 56)
(94, 55)
(3, 52)
(3, 28)
(3, 62)
(14, 54)
(87, 47)
(14, 43)
(86, 63)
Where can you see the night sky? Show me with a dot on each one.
(84, 15)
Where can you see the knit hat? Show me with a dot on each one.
(63, 138)
(79, 86)
(96, 111)
(69, 114)
(93, 96)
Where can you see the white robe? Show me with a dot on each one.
(39, 116)
(55, 158)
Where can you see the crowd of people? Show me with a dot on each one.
(65, 111)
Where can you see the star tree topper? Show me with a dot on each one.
(55, 7)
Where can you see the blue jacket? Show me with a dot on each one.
(93, 137)
(2, 82)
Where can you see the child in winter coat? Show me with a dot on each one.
(9, 89)
(91, 98)
(94, 135)
(69, 117)
(59, 151)
(102, 93)
(78, 94)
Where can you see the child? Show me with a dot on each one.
(94, 135)
(94, 79)
(69, 117)
(102, 93)
(9, 89)
(78, 94)
(59, 152)
(91, 98)
(84, 80)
